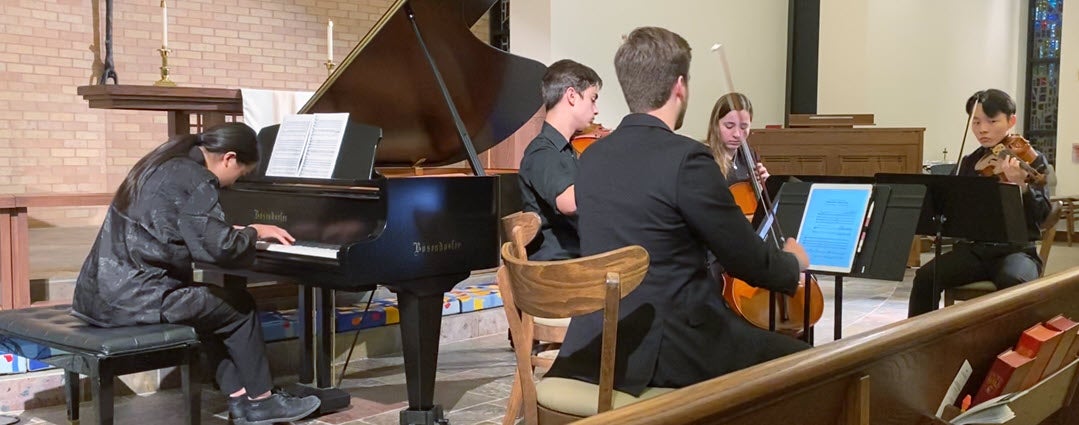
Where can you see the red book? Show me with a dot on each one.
(1038, 343)
(1066, 350)
(1005, 376)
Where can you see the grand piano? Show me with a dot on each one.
(419, 89)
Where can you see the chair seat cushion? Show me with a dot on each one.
(581, 398)
(562, 322)
(54, 326)
(982, 285)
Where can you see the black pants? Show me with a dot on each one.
(229, 329)
(967, 262)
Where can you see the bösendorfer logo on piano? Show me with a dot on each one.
(270, 216)
(435, 247)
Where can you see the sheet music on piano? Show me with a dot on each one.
(307, 146)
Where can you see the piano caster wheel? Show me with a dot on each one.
(432, 416)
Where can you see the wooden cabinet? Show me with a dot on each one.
(839, 151)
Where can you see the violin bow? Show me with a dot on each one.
(966, 131)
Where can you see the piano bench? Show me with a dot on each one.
(102, 353)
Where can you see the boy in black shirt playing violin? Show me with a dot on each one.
(1006, 265)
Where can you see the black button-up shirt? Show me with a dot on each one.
(548, 168)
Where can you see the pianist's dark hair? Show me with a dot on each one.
(993, 102)
(564, 74)
(228, 137)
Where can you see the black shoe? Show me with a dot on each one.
(238, 410)
(279, 408)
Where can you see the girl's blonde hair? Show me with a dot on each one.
(724, 105)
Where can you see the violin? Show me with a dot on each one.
(582, 139)
(1013, 146)
(756, 304)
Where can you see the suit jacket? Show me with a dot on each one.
(645, 185)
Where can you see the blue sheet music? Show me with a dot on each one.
(832, 223)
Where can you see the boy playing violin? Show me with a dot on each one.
(1006, 265)
(549, 165)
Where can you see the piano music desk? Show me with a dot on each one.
(15, 243)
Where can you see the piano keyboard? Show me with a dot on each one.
(302, 248)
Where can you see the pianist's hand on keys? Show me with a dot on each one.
(271, 232)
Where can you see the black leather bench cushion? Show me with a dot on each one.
(54, 326)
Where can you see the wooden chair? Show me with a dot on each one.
(520, 228)
(549, 331)
(979, 288)
(1069, 214)
(565, 289)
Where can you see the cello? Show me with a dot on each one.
(758, 306)
(744, 194)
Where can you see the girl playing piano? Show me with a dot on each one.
(165, 216)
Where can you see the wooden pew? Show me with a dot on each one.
(894, 375)
(15, 238)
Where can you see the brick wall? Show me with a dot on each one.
(51, 141)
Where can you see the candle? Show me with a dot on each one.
(329, 41)
(164, 25)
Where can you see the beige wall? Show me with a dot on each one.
(1068, 109)
(530, 30)
(754, 33)
(913, 63)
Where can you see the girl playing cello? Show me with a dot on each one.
(728, 126)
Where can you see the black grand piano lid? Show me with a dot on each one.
(386, 81)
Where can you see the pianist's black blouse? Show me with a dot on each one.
(143, 254)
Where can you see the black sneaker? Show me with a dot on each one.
(280, 408)
(238, 410)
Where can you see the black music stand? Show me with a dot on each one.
(966, 207)
(881, 255)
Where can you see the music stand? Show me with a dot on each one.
(966, 207)
(896, 207)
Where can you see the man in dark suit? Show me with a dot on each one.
(645, 185)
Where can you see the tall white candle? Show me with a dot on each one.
(329, 41)
(164, 25)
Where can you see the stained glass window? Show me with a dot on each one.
(1043, 75)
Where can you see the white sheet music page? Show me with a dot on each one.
(323, 145)
(288, 149)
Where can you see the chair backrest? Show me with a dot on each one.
(527, 225)
(567, 288)
(1049, 231)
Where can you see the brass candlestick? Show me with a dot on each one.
(164, 81)
(329, 66)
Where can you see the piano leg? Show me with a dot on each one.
(421, 322)
(315, 314)
(305, 333)
(324, 325)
